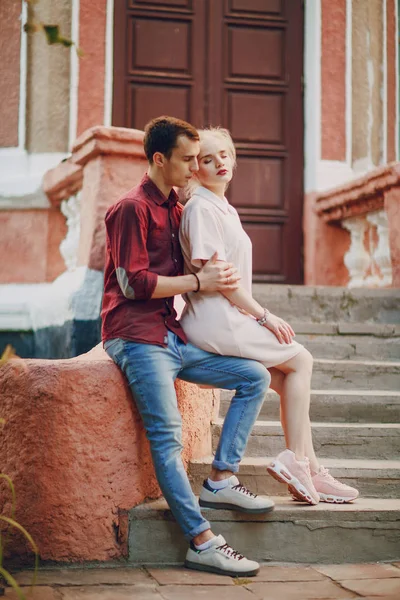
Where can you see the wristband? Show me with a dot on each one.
(264, 318)
(198, 283)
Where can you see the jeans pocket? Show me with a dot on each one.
(114, 349)
(110, 343)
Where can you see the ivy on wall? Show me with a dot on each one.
(50, 30)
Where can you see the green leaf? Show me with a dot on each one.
(11, 581)
(53, 36)
(12, 488)
(28, 536)
(52, 33)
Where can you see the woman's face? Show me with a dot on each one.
(215, 162)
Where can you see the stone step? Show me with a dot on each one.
(331, 440)
(352, 346)
(336, 406)
(330, 304)
(367, 530)
(373, 478)
(355, 374)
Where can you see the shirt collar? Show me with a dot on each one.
(223, 205)
(154, 193)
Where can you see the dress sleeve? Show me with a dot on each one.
(127, 227)
(202, 234)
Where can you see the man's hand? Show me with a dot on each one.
(218, 276)
(280, 328)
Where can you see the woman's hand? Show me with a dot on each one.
(280, 329)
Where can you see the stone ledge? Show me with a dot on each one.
(358, 197)
(63, 181)
(66, 179)
(75, 447)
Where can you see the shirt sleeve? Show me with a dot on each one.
(127, 227)
(202, 234)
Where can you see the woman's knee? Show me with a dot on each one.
(306, 360)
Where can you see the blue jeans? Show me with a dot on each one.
(151, 371)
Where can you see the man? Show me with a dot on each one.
(143, 273)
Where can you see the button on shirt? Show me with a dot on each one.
(142, 242)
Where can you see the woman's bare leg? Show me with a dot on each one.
(292, 381)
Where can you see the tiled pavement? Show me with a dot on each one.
(274, 582)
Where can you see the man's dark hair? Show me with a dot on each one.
(161, 134)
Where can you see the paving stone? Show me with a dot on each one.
(206, 592)
(182, 576)
(289, 573)
(100, 592)
(373, 587)
(40, 593)
(293, 591)
(363, 571)
(85, 576)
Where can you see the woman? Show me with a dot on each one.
(235, 324)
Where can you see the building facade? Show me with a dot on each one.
(309, 90)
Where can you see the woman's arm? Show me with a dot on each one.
(242, 299)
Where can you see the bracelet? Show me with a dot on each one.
(264, 318)
(198, 283)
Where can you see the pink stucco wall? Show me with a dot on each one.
(324, 248)
(391, 79)
(76, 450)
(333, 82)
(92, 41)
(392, 207)
(30, 241)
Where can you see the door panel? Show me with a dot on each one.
(235, 63)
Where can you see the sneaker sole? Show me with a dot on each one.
(331, 499)
(279, 472)
(198, 567)
(225, 506)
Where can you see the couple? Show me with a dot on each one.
(225, 339)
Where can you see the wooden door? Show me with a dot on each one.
(236, 63)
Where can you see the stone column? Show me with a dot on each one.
(48, 69)
(105, 162)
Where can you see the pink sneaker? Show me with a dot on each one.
(296, 474)
(332, 490)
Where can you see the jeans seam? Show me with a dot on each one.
(197, 366)
(228, 373)
(237, 427)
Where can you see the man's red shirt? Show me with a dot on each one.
(142, 237)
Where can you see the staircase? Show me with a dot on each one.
(354, 337)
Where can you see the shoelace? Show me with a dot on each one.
(243, 490)
(325, 473)
(230, 552)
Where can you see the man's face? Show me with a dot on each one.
(179, 168)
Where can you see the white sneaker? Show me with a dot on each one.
(220, 558)
(234, 497)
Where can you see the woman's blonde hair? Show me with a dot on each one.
(225, 136)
